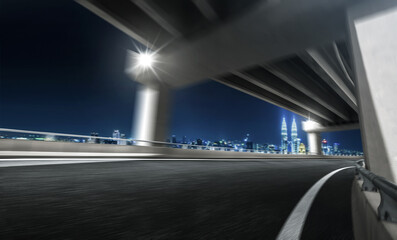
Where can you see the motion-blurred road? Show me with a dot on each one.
(160, 199)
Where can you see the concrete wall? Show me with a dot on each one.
(366, 224)
(373, 34)
(41, 146)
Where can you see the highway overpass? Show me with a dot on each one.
(330, 61)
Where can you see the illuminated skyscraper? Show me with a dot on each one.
(284, 137)
(295, 141)
(336, 147)
(324, 146)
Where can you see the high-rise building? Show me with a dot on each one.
(294, 138)
(284, 137)
(184, 140)
(173, 139)
(116, 134)
(295, 145)
(324, 146)
(336, 148)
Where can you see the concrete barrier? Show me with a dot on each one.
(366, 223)
(163, 152)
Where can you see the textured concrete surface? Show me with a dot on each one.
(365, 216)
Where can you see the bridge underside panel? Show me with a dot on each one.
(292, 84)
(252, 89)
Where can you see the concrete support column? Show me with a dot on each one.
(314, 141)
(151, 113)
(313, 136)
(373, 34)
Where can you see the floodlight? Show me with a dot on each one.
(145, 60)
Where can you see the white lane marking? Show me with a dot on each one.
(292, 228)
(77, 154)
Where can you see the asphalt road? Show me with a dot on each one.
(247, 199)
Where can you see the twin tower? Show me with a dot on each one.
(295, 141)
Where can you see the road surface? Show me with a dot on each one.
(175, 199)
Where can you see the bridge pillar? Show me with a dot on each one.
(151, 113)
(373, 34)
(313, 137)
(314, 141)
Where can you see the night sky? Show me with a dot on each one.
(62, 70)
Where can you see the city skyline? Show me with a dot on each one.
(242, 145)
(292, 146)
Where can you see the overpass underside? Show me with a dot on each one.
(293, 55)
(311, 84)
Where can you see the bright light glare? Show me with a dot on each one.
(145, 60)
(310, 125)
(142, 65)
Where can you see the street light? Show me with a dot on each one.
(145, 60)
(142, 65)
